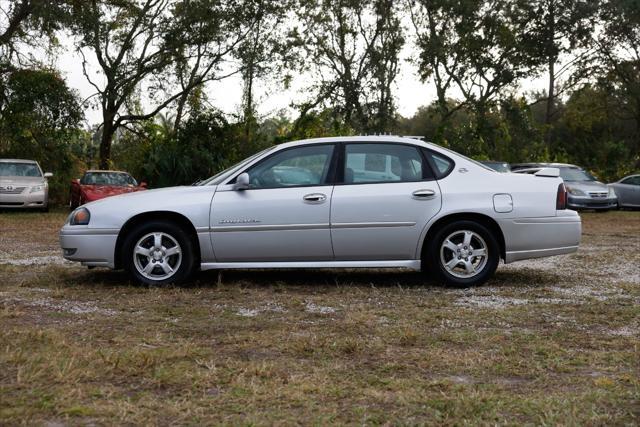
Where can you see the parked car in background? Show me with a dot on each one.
(23, 185)
(628, 191)
(497, 166)
(584, 190)
(342, 202)
(98, 184)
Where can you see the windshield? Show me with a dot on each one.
(19, 169)
(573, 174)
(108, 178)
(221, 176)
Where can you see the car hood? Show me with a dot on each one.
(109, 190)
(21, 180)
(587, 185)
(192, 202)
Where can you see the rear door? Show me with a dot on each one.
(385, 196)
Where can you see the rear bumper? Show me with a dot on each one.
(91, 247)
(576, 202)
(540, 237)
(24, 200)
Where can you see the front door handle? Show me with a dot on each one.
(423, 194)
(314, 198)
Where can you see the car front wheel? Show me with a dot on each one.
(463, 253)
(159, 253)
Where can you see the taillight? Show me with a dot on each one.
(561, 198)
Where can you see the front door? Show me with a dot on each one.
(387, 197)
(283, 215)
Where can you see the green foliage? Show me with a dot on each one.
(202, 146)
(40, 120)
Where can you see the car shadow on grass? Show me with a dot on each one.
(368, 278)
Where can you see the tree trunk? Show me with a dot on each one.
(180, 111)
(108, 130)
(548, 117)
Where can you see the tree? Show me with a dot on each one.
(351, 47)
(40, 119)
(262, 54)
(201, 49)
(619, 53)
(562, 27)
(135, 43)
(24, 23)
(481, 49)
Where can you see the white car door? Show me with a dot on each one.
(283, 215)
(386, 197)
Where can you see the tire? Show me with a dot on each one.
(482, 268)
(161, 266)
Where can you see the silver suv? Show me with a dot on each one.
(23, 185)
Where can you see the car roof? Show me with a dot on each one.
(17, 161)
(104, 171)
(361, 138)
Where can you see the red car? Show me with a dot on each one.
(98, 184)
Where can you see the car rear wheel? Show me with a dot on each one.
(463, 253)
(159, 253)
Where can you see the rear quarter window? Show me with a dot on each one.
(441, 164)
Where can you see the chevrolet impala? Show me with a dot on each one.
(342, 202)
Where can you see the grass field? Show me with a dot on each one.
(550, 341)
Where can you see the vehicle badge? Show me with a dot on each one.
(9, 187)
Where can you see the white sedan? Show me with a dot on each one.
(352, 202)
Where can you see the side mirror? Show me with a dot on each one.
(48, 174)
(143, 184)
(75, 181)
(242, 182)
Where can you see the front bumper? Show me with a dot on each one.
(24, 200)
(89, 246)
(586, 202)
(540, 237)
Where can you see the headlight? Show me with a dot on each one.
(612, 192)
(37, 188)
(576, 192)
(80, 216)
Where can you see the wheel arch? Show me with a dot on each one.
(483, 219)
(167, 216)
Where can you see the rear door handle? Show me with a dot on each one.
(314, 198)
(423, 194)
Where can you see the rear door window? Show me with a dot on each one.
(372, 163)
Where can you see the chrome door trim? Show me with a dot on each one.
(372, 224)
(411, 264)
(269, 227)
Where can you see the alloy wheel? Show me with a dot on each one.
(464, 254)
(157, 256)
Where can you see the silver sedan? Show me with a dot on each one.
(23, 185)
(628, 191)
(344, 202)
